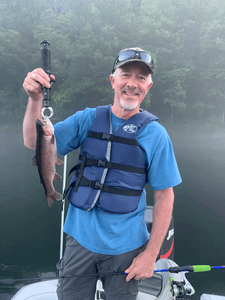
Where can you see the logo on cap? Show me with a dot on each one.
(130, 128)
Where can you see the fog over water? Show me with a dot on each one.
(30, 230)
(186, 40)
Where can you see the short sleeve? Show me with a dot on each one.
(162, 169)
(72, 132)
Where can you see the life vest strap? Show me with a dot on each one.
(112, 138)
(104, 188)
(82, 165)
(108, 165)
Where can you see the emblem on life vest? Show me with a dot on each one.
(130, 128)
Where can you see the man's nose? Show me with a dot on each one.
(132, 82)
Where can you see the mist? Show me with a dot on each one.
(187, 42)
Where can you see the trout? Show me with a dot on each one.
(46, 159)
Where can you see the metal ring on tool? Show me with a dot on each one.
(45, 116)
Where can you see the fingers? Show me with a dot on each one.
(140, 268)
(34, 81)
(131, 274)
(138, 274)
(127, 271)
(132, 271)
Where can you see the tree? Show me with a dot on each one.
(185, 39)
(212, 59)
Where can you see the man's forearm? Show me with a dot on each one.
(162, 214)
(143, 265)
(33, 112)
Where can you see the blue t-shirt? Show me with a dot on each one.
(114, 234)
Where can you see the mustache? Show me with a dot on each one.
(133, 90)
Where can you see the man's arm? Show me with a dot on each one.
(143, 265)
(32, 86)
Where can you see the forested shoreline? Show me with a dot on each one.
(186, 39)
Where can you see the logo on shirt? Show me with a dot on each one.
(130, 128)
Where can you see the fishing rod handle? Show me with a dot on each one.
(181, 269)
(194, 268)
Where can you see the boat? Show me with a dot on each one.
(163, 285)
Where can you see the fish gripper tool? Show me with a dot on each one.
(46, 66)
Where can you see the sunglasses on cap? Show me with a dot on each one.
(129, 55)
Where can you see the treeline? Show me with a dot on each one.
(185, 37)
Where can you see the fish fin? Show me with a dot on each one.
(57, 177)
(52, 198)
(58, 196)
(58, 161)
(34, 161)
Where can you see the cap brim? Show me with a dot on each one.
(130, 60)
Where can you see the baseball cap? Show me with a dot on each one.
(133, 54)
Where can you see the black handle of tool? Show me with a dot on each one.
(46, 66)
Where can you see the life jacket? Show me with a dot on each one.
(110, 172)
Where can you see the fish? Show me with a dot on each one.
(46, 158)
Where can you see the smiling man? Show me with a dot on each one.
(122, 147)
(131, 83)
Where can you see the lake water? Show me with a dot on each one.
(30, 230)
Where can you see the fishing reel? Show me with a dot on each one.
(179, 289)
(46, 66)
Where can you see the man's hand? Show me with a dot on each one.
(33, 82)
(142, 267)
(33, 87)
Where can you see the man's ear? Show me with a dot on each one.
(150, 85)
(112, 80)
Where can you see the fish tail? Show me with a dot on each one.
(52, 198)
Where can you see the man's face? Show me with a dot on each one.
(131, 84)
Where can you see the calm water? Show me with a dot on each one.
(30, 231)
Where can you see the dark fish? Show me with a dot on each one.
(46, 159)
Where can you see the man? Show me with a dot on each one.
(122, 148)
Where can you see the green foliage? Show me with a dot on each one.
(185, 38)
(212, 51)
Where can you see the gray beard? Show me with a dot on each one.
(128, 105)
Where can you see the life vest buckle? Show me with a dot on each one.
(100, 163)
(105, 136)
(96, 185)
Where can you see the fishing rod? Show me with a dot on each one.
(46, 66)
(9, 280)
(189, 269)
